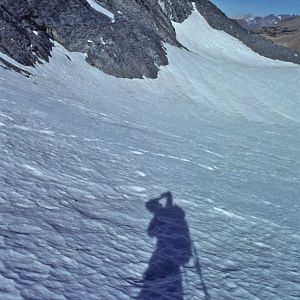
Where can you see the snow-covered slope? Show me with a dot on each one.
(82, 153)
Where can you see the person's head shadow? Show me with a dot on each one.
(162, 279)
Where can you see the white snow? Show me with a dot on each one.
(34, 171)
(96, 6)
(140, 173)
(227, 213)
(138, 189)
(137, 152)
(219, 128)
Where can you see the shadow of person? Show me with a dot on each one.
(162, 279)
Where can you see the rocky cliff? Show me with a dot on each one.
(124, 38)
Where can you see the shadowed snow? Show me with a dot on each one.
(82, 152)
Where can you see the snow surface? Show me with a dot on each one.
(96, 6)
(82, 152)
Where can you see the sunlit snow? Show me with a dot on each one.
(83, 152)
(101, 9)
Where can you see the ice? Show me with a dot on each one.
(137, 152)
(34, 171)
(82, 153)
(138, 189)
(140, 173)
(227, 213)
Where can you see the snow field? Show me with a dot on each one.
(82, 152)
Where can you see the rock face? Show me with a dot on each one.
(20, 37)
(123, 38)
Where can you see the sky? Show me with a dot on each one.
(258, 7)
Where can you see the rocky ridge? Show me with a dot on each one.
(130, 44)
(254, 23)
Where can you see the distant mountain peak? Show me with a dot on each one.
(254, 23)
(246, 17)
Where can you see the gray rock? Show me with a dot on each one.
(17, 37)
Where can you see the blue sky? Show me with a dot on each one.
(258, 7)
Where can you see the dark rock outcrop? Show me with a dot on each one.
(130, 45)
(20, 37)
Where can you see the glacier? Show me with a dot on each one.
(82, 153)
